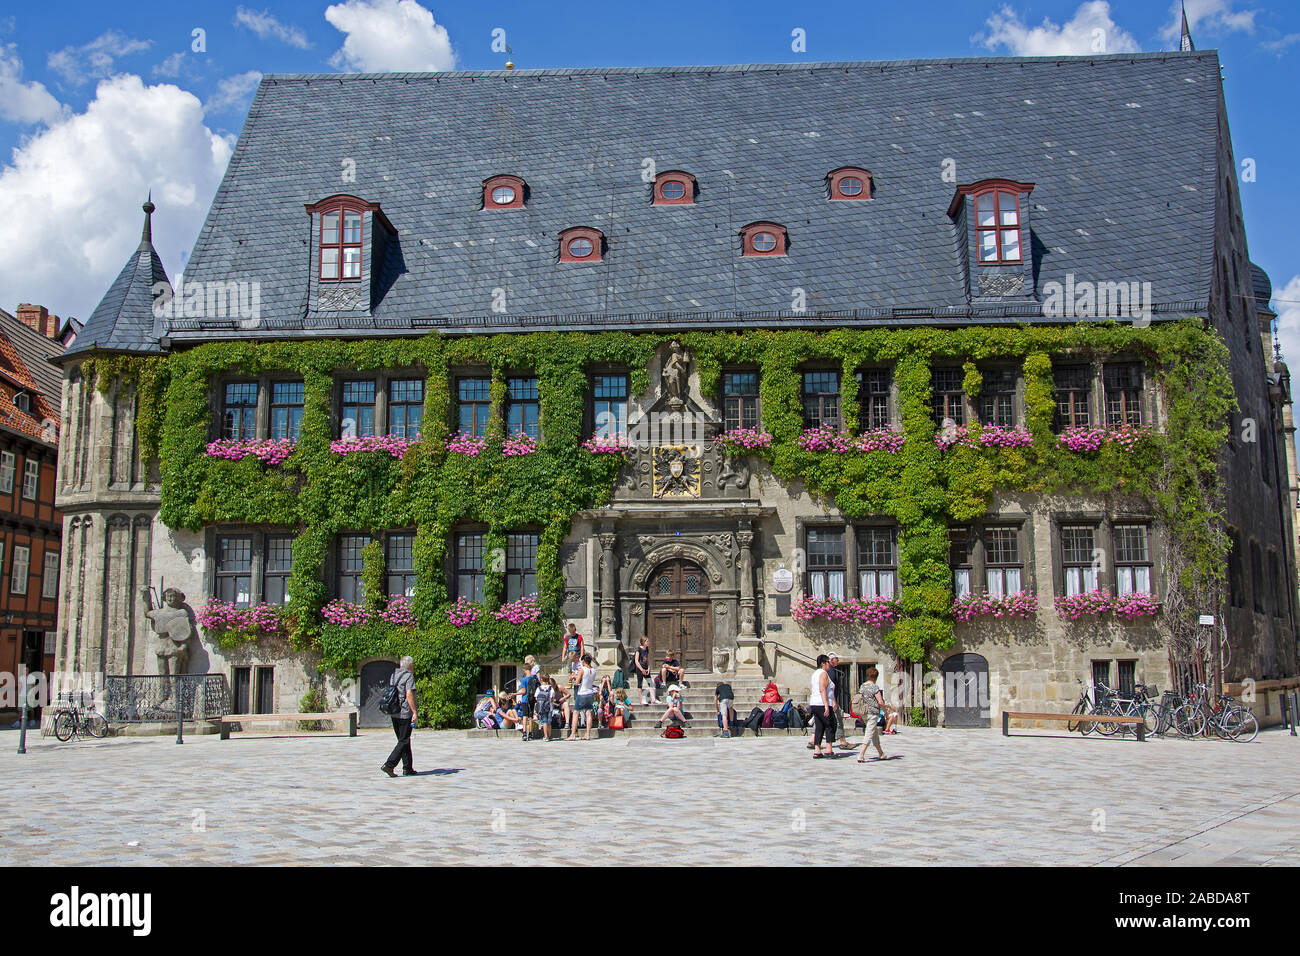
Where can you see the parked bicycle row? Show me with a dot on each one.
(1198, 714)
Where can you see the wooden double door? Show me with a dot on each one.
(678, 615)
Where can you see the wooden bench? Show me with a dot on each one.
(1139, 724)
(228, 719)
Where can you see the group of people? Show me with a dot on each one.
(541, 704)
(869, 704)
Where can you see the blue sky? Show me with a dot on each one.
(101, 101)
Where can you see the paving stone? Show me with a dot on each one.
(954, 797)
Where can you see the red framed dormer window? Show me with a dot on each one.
(581, 244)
(339, 227)
(674, 188)
(503, 192)
(849, 183)
(763, 239)
(999, 216)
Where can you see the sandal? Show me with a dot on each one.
(818, 756)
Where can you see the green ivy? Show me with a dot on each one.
(925, 489)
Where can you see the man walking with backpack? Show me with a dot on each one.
(401, 692)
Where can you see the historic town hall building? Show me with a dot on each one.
(946, 365)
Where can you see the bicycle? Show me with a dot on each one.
(1224, 716)
(1139, 705)
(70, 721)
(1082, 707)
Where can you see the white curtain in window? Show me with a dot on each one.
(961, 582)
(817, 584)
(835, 580)
(995, 583)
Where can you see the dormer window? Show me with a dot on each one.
(674, 188)
(581, 244)
(999, 217)
(763, 239)
(997, 226)
(340, 223)
(340, 244)
(23, 402)
(503, 192)
(849, 183)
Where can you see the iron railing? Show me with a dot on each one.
(135, 698)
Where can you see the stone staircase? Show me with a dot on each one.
(697, 704)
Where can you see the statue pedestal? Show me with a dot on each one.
(608, 652)
(749, 657)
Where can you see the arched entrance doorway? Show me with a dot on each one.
(679, 615)
(966, 700)
(374, 678)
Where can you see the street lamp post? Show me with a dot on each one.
(22, 720)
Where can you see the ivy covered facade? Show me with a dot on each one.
(766, 396)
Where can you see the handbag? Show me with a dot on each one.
(616, 722)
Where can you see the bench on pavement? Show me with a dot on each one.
(349, 715)
(1139, 724)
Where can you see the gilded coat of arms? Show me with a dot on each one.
(676, 471)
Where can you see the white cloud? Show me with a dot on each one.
(233, 92)
(170, 66)
(389, 35)
(1211, 16)
(1280, 44)
(94, 60)
(73, 192)
(265, 25)
(23, 102)
(1090, 31)
(1286, 301)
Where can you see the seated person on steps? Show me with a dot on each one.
(674, 711)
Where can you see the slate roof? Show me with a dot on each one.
(1121, 149)
(124, 321)
(1262, 287)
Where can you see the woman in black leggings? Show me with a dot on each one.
(821, 691)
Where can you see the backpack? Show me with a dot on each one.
(754, 721)
(797, 718)
(530, 687)
(673, 732)
(767, 717)
(620, 680)
(787, 717)
(392, 700)
(771, 695)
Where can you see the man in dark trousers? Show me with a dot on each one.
(404, 721)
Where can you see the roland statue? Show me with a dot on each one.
(172, 630)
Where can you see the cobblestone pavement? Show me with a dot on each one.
(951, 796)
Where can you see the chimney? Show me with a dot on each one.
(38, 319)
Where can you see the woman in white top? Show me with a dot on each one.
(821, 691)
(584, 697)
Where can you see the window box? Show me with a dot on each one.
(270, 451)
(520, 443)
(1085, 438)
(1022, 604)
(397, 612)
(889, 439)
(465, 443)
(521, 611)
(1130, 607)
(606, 445)
(232, 625)
(989, 436)
(392, 444)
(737, 440)
(873, 612)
